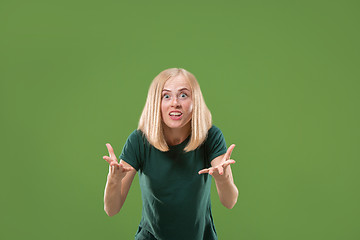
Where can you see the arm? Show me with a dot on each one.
(117, 187)
(118, 183)
(221, 171)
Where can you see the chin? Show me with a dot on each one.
(179, 125)
(174, 125)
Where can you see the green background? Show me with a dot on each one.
(281, 79)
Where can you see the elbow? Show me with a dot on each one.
(230, 204)
(112, 209)
(110, 212)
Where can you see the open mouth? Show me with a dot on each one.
(175, 115)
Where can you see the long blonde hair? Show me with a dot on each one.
(150, 122)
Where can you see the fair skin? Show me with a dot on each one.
(176, 113)
(118, 183)
(221, 171)
(176, 98)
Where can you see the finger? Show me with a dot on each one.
(211, 171)
(122, 168)
(110, 150)
(108, 159)
(228, 162)
(127, 169)
(114, 163)
(229, 151)
(220, 170)
(203, 171)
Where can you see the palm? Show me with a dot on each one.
(219, 169)
(113, 162)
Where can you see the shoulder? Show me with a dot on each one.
(136, 133)
(214, 136)
(215, 144)
(136, 137)
(133, 150)
(214, 132)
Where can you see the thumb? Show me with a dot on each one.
(110, 150)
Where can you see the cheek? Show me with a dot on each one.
(163, 107)
(190, 107)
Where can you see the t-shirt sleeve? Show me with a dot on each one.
(131, 152)
(215, 143)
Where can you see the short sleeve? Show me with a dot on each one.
(215, 143)
(132, 150)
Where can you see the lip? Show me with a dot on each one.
(176, 117)
(176, 112)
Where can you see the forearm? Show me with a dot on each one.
(112, 196)
(227, 190)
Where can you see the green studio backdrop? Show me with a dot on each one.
(281, 79)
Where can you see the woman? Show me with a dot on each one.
(175, 150)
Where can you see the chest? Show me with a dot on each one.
(165, 172)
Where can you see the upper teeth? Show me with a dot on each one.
(175, 114)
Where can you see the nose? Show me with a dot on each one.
(175, 102)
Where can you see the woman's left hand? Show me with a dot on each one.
(218, 171)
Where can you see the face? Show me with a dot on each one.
(176, 102)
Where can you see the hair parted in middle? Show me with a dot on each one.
(151, 123)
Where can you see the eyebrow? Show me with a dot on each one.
(178, 90)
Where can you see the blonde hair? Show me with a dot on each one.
(150, 122)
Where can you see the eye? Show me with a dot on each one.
(166, 96)
(183, 95)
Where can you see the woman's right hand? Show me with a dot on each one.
(117, 171)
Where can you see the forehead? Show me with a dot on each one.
(177, 82)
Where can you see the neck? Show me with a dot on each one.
(175, 136)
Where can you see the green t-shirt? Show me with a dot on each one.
(176, 199)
